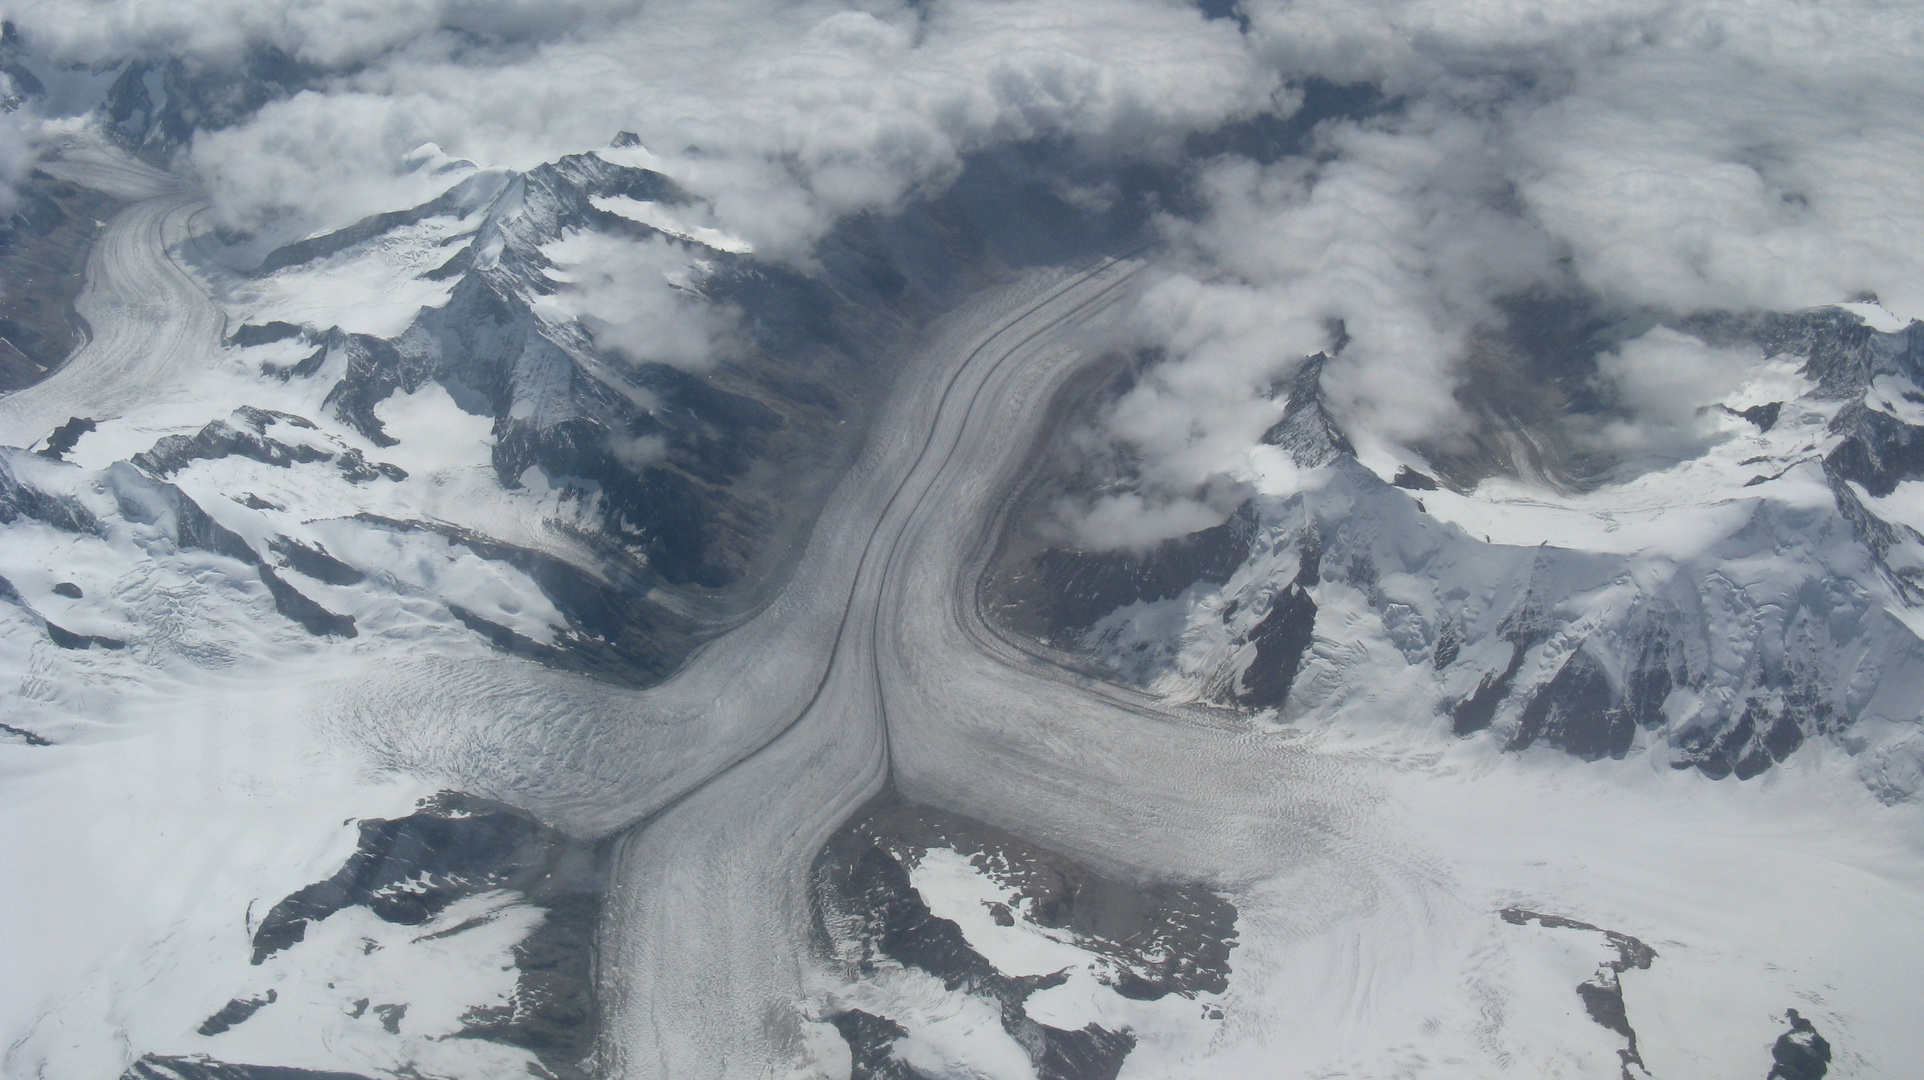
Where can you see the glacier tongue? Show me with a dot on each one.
(385, 543)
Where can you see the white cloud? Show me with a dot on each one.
(1666, 380)
(787, 115)
(642, 299)
(1130, 522)
(327, 33)
(1655, 157)
(1397, 236)
(1764, 168)
(19, 148)
(1647, 154)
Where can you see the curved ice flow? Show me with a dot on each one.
(148, 317)
(871, 660)
(708, 959)
(596, 760)
(708, 955)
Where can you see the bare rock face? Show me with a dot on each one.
(201, 1067)
(1145, 941)
(1307, 431)
(1800, 1053)
(1602, 993)
(1725, 660)
(411, 870)
(43, 259)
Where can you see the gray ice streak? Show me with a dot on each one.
(1644, 160)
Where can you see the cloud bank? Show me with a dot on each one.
(787, 116)
(1640, 159)
(1656, 159)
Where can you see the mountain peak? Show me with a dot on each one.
(1307, 431)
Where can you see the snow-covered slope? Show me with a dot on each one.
(1718, 613)
(394, 446)
(385, 622)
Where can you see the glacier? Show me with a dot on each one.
(372, 541)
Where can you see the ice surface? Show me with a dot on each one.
(213, 764)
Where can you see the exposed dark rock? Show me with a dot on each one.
(460, 199)
(697, 485)
(871, 1040)
(67, 639)
(455, 845)
(1449, 645)
(66, 437)
(1602, 996)
(740, 447)
(1309, 560)
(1578, 711)
(390, 1016)
(1765, 733)
(1841, 352)
(1602, 993)
(302, 368)
(25, 736)
(1658, 670)
(147, 501)
(1875, 450)
(1884, 539)
(155, 106)
(235, 1012)
(63, 512)
(1524, 626)
(314, 562)
(258, 419)
(67, 589)
(1307, 432)
(375, 370)
(1409, 478)
(1474, 713)
(656, 509)
(1281, 639)
(614, 632)
(26, 85)
(263, 334)
(220, 439)
(1800, 1053)
(44, 246)
(1063, 591)
(552, 1013)
(1163, 939)
(1879, 451)
(408, 870)
(459, 263)
(301, 608)
(200, 1067)
(59, 635)
(1764, 416)
(905, 930)
(1091, 1053)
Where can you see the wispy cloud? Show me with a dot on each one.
(1630, 156)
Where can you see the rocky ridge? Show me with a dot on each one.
(1789, 619)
